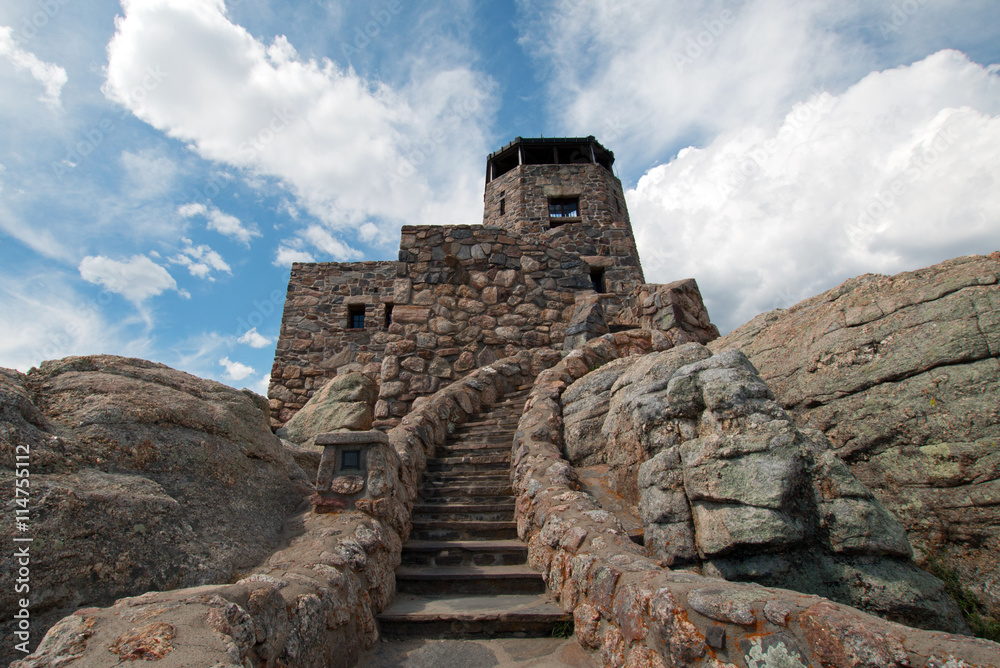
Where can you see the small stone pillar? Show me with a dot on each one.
(343, 479)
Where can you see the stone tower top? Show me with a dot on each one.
(562, 193)
(547, 151)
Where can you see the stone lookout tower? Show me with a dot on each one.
(564, 193)
(555, 245)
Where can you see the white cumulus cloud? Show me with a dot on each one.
(350, 150)
(644, 75)
(255, 339)
(200, 260)
(236, 370)
(221, 222)
(51, 76)
(898, 172)
(287, 254)
(136, 279)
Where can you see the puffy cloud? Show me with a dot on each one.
(136, 279)
(896, 173)
(200, 260)
(236, 370)
(350, 150)
(286, 255)
(254, 339)
(644, 75)
(327, 243)
(221, 222)
(52, 77)
(193, 209)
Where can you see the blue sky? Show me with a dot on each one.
(164, 161)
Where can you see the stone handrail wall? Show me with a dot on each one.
(312, 604)
(639, 613)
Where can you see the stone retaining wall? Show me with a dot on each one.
(639, 613)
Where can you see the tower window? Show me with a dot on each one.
(356, 316)
(563, 208)
(503, 205)
(388, 315)
(597, 278)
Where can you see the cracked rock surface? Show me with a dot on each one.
(138, 481)
(902, 373)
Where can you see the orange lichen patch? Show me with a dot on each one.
(147, 643)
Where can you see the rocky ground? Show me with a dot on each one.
(138, 481)
(902, 374)
(727, 485)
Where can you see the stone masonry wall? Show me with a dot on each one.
(460, 297)
(601, 236)
(467, 296)
(315, 338)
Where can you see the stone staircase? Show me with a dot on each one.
(464, 571)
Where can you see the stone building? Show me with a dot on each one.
(555, 244)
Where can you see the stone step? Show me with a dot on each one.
(450, 580)
(461, 499)
(502, 457)
(486, 427)
(445, 514)
(464, 553)
(470, 464)
(463, 530)
(499, 506)
(458, 491)
(471, 616)
(475, 444)
(489, 474)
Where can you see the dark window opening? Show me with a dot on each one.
(564, 207)
(568, 155)
(597, 278)
(538, 155)
(503, 205)
(503, 164)
(388, 315)
(350, 460)
(356, 316)
(618, 205)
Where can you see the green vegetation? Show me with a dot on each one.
(563, 629)
(983, 624)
